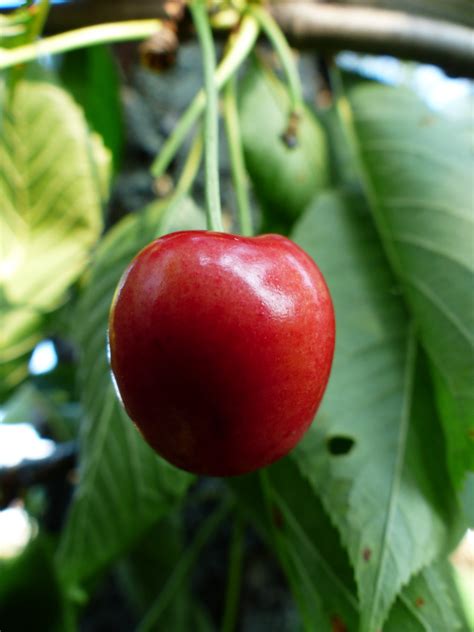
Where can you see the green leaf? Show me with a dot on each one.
(418, 171)
(20, 330)
(467, 498)
(344, 172)
(22, 25)
(146, 569)
(31, 596)
(201, 619)
(124, 487)
(457, 413)
(463, 579)
(29, 404)
(24, 405)
(51, 209)
(383, 484)
(174, 584)
(285, 178)
(425, 605)
(90, 74)
(461, 602)
(293, 522)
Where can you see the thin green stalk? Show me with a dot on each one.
(242, 44)
(234, 577)
(239, 173)
(211, 118)
(178, 135)
(185, 181)
(87, 36)
(182, 569)
(190, 168)
(278, 40)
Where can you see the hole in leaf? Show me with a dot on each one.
(340, 445)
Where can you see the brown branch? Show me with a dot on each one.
(333, 28)
(324, 26)
(14, 480)
(72, 15)
(457, 11)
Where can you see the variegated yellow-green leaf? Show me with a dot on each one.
(52, 182)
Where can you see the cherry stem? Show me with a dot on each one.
(79, 38)
(239, 173)
(190, 168)
(188, 175)
(211, 117)
(242, 45)
(278, 40)
(234, 576)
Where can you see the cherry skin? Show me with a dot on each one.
(221, 348)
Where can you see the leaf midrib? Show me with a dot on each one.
(368, 625)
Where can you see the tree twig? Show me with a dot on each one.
(458, 11)
(430, 36)
(332, 27)
(14, 480)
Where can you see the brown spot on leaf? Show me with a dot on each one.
(367, 554)
(470, 433)
(419, 602)
(337, 624)
(427, 120)
(277, 517)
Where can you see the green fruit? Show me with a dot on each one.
(285, 178)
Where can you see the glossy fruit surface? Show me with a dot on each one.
(221, 348)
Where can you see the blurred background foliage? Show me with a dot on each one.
(356, 529)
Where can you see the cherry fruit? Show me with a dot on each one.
(221, 348)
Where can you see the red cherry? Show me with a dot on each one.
(221, 348)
